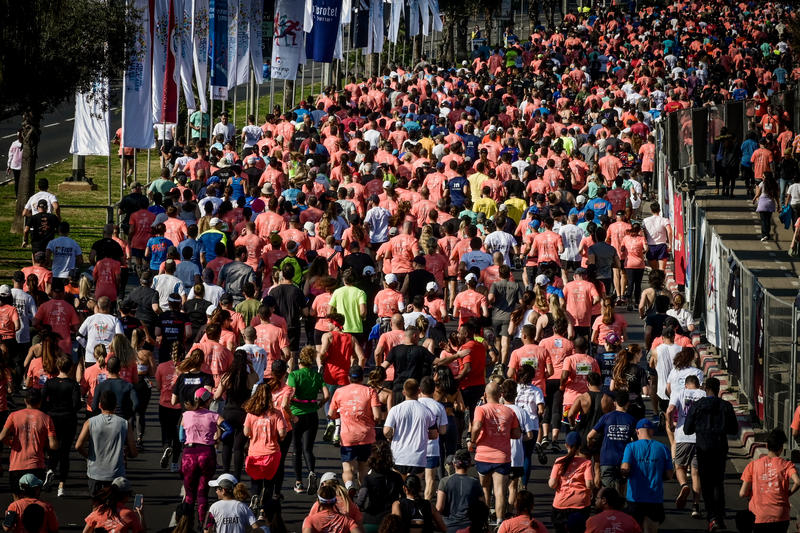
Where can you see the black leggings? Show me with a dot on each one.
(728, 180)
(233, 446)
(766, 222)
(169, 419)
(304, 435)
(634, 289)
(65, 426)
(143, 393)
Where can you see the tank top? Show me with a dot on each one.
(238, 188)
(525, 318)
(587, 421)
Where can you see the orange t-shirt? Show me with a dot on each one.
(388, 302)
(531, 354)
(124, 521)
(494, 441)
(140, 231)
(617, 326)
(468, 304)
(254, 245)
(50, 519)
(579, 295)
(91, 377)
(634, 247)
(761, 159)
(166, 378)
(106, 278)
(477, 362)
(545, 246)
(29, 430)
(574, 491)
(320, 309)
(403, 248)
(61, 317)
(272, 339)
(264, 432)
(8, 314)
(218, 358)
(329, 520)
(37, 377)
(386, 342)
(770, 478)
(354, 404)
(578, 366)
(612, 520)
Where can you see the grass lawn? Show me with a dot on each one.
(87, 223)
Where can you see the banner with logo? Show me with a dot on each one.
(200, 22)
(257, 38)
(186, 50)
(395, 15)
(137, 123)
(712, 292)
(758, 350)
(732, 310)
(233, 41)
(218, 36)
(161, 36)
(91, 131)
(287, 39)
(321, 40)
(678, 244)
(243, 43)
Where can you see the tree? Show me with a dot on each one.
(456, 16)
(52, 48)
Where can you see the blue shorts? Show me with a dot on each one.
(433, 462)
(656, 252)
(359, 452)
(486, 469)
(137, 252)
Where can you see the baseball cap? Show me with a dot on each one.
(42, 203)
(502, 207)
(368, 271)
(202, 394)
(136, 185)
(387, 184)
(226, 481)
(122, 484)
(581, 199)
(432, 286)
(328, 476)
(612, 338)
(356, 372)
(470, 277)
(267, 188)
(390, 278)
(309, 227)
(573, 439)
(645, 423)
(29, 481)
(5, 290)
(541, 279)
(214, 221)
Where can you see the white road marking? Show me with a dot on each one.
(53, 124)
(70, 119)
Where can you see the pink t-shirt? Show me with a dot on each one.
(468, 304)
(579, 366)
(770, 479)
(558, 348)
(200, 426)
(28, 430)
(634, 248)
(494, 441)
(579, 295)
(617, 326)
(354, 404)
(574, 491)
(264, 432)
(531, 354)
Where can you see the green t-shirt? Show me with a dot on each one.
(346, 300)
(200, 119)
(161, 185)
(248, 309)
(307, 383)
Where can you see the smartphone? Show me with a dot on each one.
(138, 500)
(10, 520)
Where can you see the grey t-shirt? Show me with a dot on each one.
(107, 437)
(604, 255)
(462, 491)
(507, 295)
(233, 277)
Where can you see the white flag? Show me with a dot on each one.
(233, 39)
(183, 26)
(243, 44)
(137, 122)
(287, 41)
(347, 11)
(425, 13)
(257, 39)
(91, 132)
(414, 9)
(395, 17)
(437, 16)
(375, 35)
(200, 49)
(160, 47)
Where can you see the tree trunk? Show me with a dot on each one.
(31, 132)
(489, 26)
(416, 52)
(288, 89)
(462, 49)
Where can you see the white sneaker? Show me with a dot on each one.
(60, 492)
(49, 479)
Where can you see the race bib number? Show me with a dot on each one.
(583, 369)
(531, 362)
(558, 343)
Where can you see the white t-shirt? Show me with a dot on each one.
(165, 131)
(410, 421)
(226, 130)
(666, 354)
(372, 137)
(794, 193)
(166, 284)
(41, 195)
(683, 316)
(212, 295)
(98, 329)
(682, 402)
(26, 309)
(258, 358)
(252, 134)
(525, 425)
(655, 229)
(439, 412)
(500, 241)
(65, 251)
(677, 379)
(571, 237)
(232, 516)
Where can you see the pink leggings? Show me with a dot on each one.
(197, 466)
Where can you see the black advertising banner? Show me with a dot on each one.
(758, 350)
(734, 318)
(360, 31)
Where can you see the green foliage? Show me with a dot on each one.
(50, 48)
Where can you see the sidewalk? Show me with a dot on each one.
(737, 223)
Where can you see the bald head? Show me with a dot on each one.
(397, 321)
(108, 230)
(491, 391)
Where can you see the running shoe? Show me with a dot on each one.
(683, 495)
(255, 504)
(545, 444)
(139, 443)
(336, 441)
(49, 479)
(298, 487)
(696, 511)
(312, 484)
(541, 453)
(60, 492)
(554, 447)
(166, 456)
(329, 430)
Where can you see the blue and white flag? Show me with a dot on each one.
(218, 35)
(200, 21)
(321, 41)
(243, 44)
(137, 122)
(257, 38)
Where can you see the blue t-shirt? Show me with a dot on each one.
(456, 187)
(471, 143)
(207, 242)
(617, 429)
(599, 206)
(191, 243)
(748, 147)
(648, 460)
(578, 212)
(291, 195)
(158, 246)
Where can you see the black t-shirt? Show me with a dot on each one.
(173, 330)
(656, 322)
(145, 297)
(61, 397)
(127, 400)
(515, 187)
(43, 228)
(357, 261)
(291, 301)
(377, 495)
(417, 282)
(462, 491)
(188, 383)
(132, 203)
(410, 362)
(129, 323)
(107, 247)
(196, 309)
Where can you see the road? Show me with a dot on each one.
(162, 488)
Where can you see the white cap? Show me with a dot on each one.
(541, 279)
(581, 199)
(369, 270)
(214, 221)
(502, 207)
(470, 277)
(223, 477)
(390, 278)
(432, 286)
(5, 290)
(309, 227)
(387, 184)
(310, 162)
(328, 476)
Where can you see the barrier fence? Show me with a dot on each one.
(754, 331)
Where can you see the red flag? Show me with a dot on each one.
(169, 98)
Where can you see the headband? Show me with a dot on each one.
(327, 501)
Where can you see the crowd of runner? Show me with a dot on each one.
(435, 262)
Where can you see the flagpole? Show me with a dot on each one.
(303, 79)
(258, 98)
(108, 179)
(271, 91)
(210, 117)
(347, 52)
(148, 166)
(121, 145)
(235, 101)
